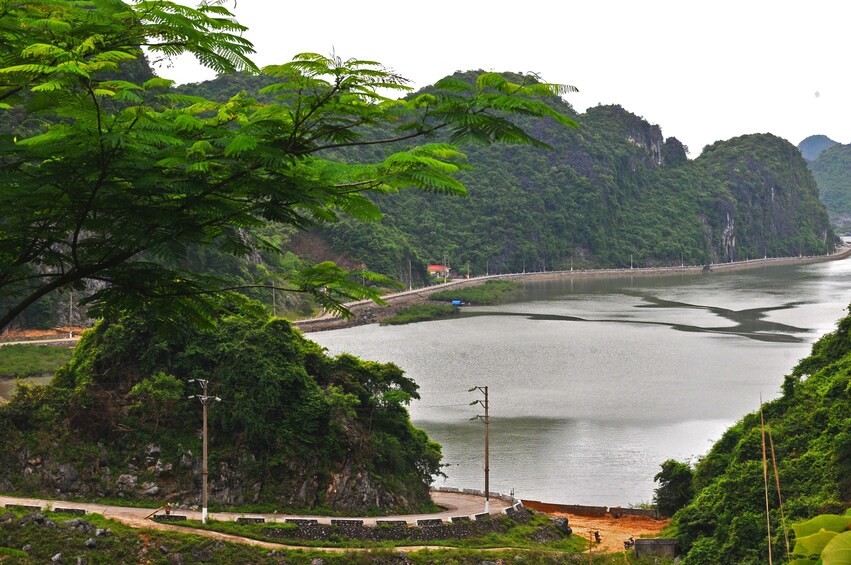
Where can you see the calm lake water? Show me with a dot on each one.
(594, 383)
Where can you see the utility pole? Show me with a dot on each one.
(70, 313)
(484, 419)
(205, 400)
(410, 278)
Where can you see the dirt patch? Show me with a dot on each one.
(53, 333)
(613, 531)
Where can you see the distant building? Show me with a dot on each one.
(438, 271)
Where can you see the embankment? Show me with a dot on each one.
(368, 312)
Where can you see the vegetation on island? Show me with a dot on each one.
(808, 427)
(489, 292)
(421, 313)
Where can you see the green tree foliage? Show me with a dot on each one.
(121, 177)
(290, 420)
(826, 537)
(157, 395)
(675, 487)
(808, 426)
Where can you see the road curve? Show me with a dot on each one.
(455, 504)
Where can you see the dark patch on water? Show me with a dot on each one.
(749, 323)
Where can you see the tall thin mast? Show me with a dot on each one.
(765, 479)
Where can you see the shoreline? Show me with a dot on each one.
(366, 312)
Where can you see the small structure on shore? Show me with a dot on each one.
(438, 271)
(658, 546)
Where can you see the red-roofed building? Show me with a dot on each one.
(438, 271)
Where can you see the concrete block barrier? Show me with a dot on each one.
(78, 511)
(346, 523)
(429, 522)
(25, 507)
(168, 517)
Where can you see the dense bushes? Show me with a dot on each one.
(292, 414)
(808, 427)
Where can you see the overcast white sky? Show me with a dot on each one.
(702, 70)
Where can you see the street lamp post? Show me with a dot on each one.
(205, 400)
(484, 419)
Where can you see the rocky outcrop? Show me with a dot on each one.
(177, 480)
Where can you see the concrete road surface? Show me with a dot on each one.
(455, 504)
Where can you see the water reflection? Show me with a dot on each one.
(594, 382)
(549, 458)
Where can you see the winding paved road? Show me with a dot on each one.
(455, 504)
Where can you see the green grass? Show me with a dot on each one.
(31, 360)
(124, 544)
(420, 313)
(491, 292)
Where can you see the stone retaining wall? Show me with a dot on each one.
(596, 511)
(426, 530)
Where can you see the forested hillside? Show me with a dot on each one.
(809, 429)
(610, 193)
(812, 146)
(832, 171)
(613, 193)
